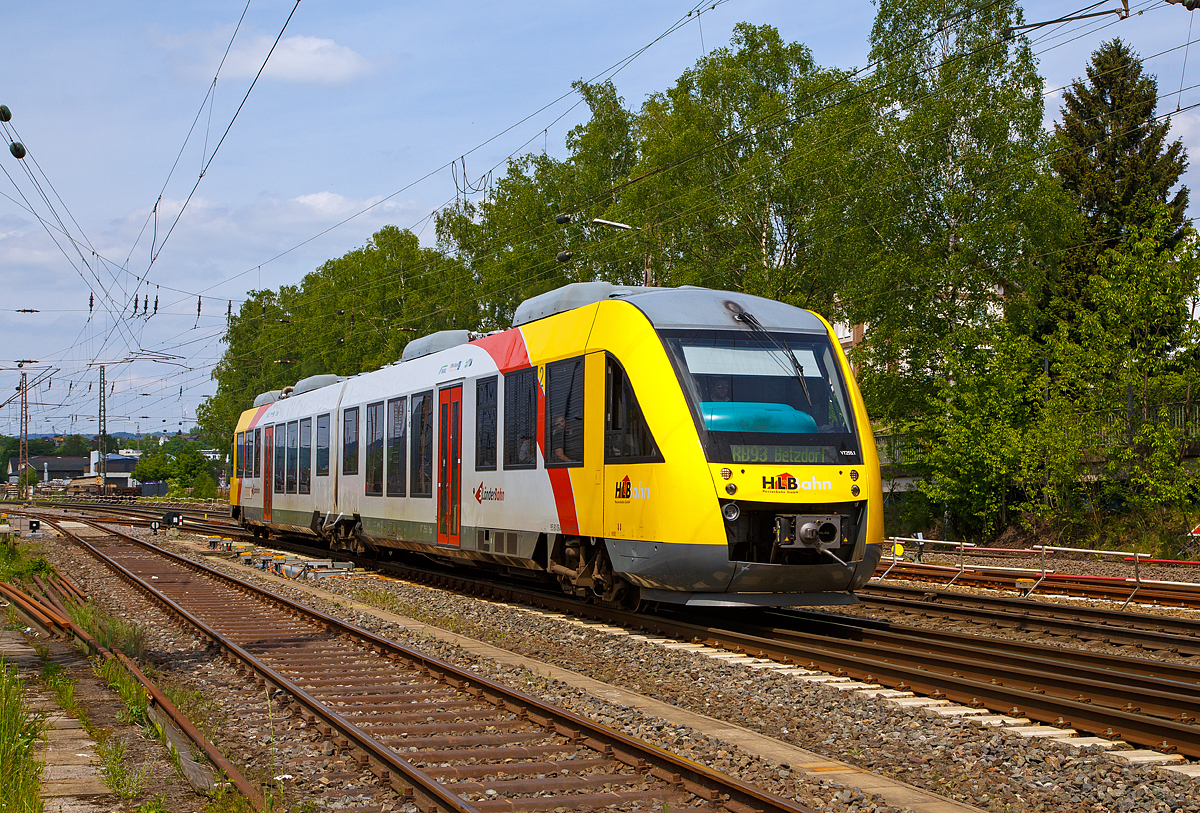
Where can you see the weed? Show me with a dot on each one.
(111, 633)
(55, 679)
(228, 800)
(156, 805)
(20, 728)
(42, 649)
(14, 621)
(131, 691)
(120, 777)
(18, 564)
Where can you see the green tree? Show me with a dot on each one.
(29, 477)
(1115, 162)
(154, 467)
(203, 486)
(354, 313)
(74, 446)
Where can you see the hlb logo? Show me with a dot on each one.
(780, 482)
(628, 491)
(786, 482)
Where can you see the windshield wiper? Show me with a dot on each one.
(758, 332)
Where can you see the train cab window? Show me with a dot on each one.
(280, 457)
(305, 481)
(520, 419)
(627, 437)
(422, 445)
(350, 441)
(374, 441)
(485, 424)
(564, 413)
(293, 455)
(241, 454)
(322, 445)
(397, 413)
(258, 453)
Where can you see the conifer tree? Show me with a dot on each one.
(1114, 159)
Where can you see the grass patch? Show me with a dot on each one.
(156, 805)
(120, 777)
(54, 678)
(113, 634)
(133, 696)
(198, 707)
(19, 564)
(12, 620)
(20, 728)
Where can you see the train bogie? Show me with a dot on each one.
(638, 444)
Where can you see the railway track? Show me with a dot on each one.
(442, 737)
(1134, 699)
(1119, 627)
(1106, 588)
(1145, 702)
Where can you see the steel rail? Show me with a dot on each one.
(1096, 587)
(37, 610)
(1141, 630)
(1110, 681)
(679, 775)
(1127, 722)
(1138, 671)
(1030, 698)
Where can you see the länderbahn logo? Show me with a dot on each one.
(786, 482)
(490, 494)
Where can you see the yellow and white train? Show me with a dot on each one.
(635, 444)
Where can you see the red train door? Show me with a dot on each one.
(268, 482)
(449, 485)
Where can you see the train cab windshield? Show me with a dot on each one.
(765, 397)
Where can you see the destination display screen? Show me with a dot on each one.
(770, 454)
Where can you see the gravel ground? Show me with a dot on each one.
(991, 769)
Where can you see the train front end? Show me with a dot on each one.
(788, 510)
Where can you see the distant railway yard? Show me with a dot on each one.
(393, 686)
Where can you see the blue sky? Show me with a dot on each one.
(359, 102)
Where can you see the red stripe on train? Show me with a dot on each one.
(509, 352)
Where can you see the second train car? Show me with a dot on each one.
(635, 444)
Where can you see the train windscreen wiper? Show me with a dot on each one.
(759, 332)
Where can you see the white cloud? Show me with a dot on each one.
(299, 59)
(310, 60)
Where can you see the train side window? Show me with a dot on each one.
(485, 424)
(564, 413)
(396, 437)
(293, 455)
(322, 445)
(374, 441)
(280, 457)
(241, 454)
(305, 455)
(258, 452)
(422, 445)
(248, 463)
(350, 441)
(520, 419)
(627, 437)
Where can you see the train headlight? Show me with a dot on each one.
(726, 474)
(731, 489)
(854, 490)
(731, 511)
(853, 474)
